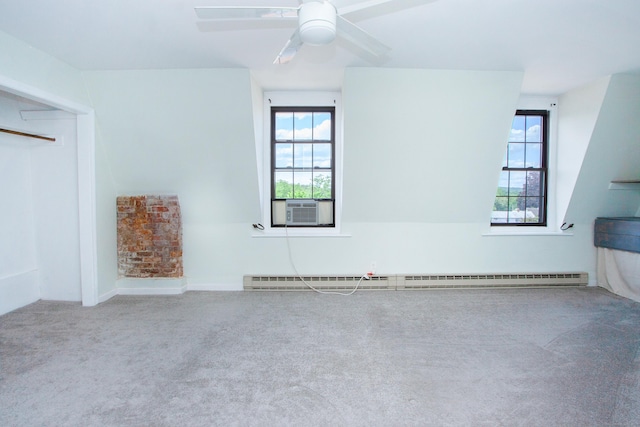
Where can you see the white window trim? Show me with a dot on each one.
(301, 99)
(553, 227)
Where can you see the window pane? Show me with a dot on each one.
(302, 155)
(302, 126)
(533, 209)
(284, 155)
(517, 181)
(533, 184)
(517, 212)
(302, 185)
(322, 185)
(516, 155)
(533, 155)
(500, 209)
(539, 209)
(284, 126)
(284, 185)
(503, 184)
(322, 156)
(322, 126)
(517, 129)
(534, 128)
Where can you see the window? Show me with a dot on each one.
(521, 198)
(303, 163)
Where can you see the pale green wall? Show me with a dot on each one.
(422, 152)
(28, 69)
(27, 65)
(577, 115)
(424, 145)
(613, 153)
(190, 133)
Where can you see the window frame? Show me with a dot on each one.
(306, 100)
(543, 169)
(274, 142)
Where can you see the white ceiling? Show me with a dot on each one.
(559, 44)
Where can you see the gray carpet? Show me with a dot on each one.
(535, 357)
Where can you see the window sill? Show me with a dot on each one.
(517, 231)
(298, 233)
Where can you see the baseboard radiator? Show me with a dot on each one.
(416, 282)
(323, 283)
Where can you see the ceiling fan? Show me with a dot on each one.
(319, 22)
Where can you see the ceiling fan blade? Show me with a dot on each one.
(290, 49)
(359, 37)
(240, 12)
(348, 6)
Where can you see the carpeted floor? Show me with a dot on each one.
(534, 357)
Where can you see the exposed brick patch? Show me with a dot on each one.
(149, 236)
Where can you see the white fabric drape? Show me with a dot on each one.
(619, 272)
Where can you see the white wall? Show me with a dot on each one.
(190, 133)
(18, 256)
(39, 251)
(424, 145)
(613, 153)
(578, 112)
(422, 148)
(29, 66)
(29, 72)
(106, 222)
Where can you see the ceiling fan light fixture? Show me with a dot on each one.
(317, 23)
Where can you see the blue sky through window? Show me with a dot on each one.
(299, 127)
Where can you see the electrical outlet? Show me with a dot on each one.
(372, 268)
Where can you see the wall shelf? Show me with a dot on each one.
(624, 184)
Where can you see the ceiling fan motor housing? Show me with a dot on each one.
(317, 23)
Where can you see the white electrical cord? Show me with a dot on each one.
(286, 232)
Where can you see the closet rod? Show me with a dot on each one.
(29, 135)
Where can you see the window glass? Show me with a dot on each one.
(521, 194)
(533, 124)
(284, 155)
(322, 126)
(533, 155)
(284, 126)
(302, 186)
(515, 155)
(517, 129)
(322, 155)
(283, 184)
(302, 157)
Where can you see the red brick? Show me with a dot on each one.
(149, 236)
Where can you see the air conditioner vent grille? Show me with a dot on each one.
(301, 212)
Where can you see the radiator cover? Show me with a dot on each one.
(416, 281)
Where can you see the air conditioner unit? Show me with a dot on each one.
(302, 212)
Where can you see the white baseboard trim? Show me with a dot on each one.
(151, 291)
(214, 287)
(107, 295)
(19, 290)
(153, 286)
